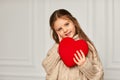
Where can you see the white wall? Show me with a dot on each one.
(25, 35)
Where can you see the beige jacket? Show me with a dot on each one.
(56, 70)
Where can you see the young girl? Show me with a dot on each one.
(63, 24)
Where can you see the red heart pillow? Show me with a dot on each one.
(68, 47)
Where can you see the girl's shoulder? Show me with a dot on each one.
(53, 49)
(54, 46)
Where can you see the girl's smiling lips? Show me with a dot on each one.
(68, 34)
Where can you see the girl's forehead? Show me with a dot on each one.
(60, 21)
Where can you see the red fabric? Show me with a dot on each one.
(68, 47)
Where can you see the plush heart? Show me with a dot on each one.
(68, 47)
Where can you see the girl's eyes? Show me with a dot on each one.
(59, 29)
(67, 24)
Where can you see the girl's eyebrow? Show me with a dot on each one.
(57, 28)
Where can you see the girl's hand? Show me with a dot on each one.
(59, 38)
(79, 58)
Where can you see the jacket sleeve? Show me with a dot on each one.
(92, 69)
(51, 60)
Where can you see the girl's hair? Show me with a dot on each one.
(62, 13)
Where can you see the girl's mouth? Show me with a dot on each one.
(68, 34)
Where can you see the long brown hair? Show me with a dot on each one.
(62, 13)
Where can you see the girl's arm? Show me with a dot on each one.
(92, 68)
(51, 60)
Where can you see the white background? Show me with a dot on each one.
(25, 34)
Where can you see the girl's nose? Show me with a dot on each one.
(65, 30)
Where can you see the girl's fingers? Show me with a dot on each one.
(76, 57)
(79, 55)
(59, 38)
(82, 54)
(75, 60)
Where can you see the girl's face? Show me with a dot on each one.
(64, 28)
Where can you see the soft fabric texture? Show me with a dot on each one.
(68, 47)
(56, 70)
